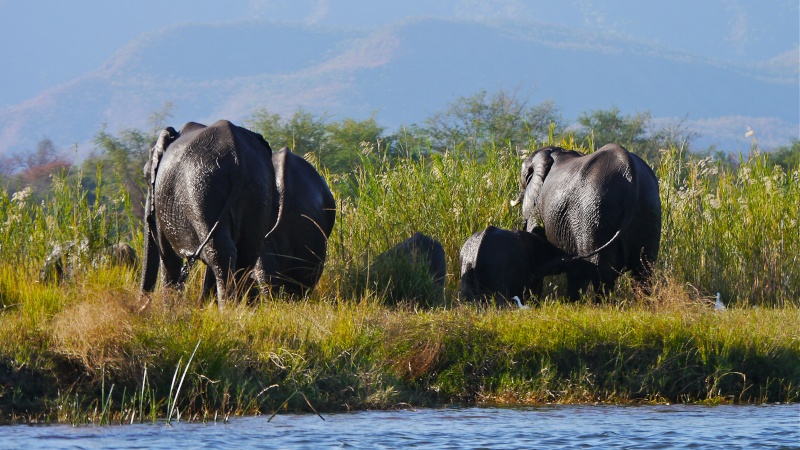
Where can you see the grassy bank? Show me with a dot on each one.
(93, 349)
(114, 358)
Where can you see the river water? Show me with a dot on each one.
(652, 427)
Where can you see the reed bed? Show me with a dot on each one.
(92, 349)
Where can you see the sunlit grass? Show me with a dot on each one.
(92, 349)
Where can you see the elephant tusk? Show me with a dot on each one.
(514, 202)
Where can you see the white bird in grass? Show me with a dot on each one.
(718, 305)
(519, 303)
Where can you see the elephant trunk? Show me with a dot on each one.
(535, 170)
(151, 258)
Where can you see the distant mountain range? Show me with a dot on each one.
(404, 73)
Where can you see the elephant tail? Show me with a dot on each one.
(279, 162)
(558, 265)
(630, 207)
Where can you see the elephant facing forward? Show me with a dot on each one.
(604, 205)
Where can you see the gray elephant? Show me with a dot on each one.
(295, 251)
(418, 249)
(604, 205)
(505, 263)
(212, 197)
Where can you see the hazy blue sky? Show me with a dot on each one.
(54, 55)
(45, 43)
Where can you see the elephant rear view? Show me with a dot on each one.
(419, 249)
(211, 196)
(604, 205)
(295, 252)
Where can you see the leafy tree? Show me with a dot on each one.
(409, 141)
(604, 126)
(348, 138)
(34, 170)
(336, 144)
(302, 132)
(787, 156)
(499, 117)
(121, 159)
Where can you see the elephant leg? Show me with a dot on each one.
(576, 286)
(209, 283)
(249, 269)
(260, 276)
(580, 275)
(151, 258)
(220, 255)
(171, 264)
(642, 273)
(605, 284)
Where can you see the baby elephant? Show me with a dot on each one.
(421, 249)
(412, 271)
(505, 263)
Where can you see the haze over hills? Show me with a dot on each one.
(403, 73)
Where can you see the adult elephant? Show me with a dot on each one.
(295, 251)
(211, 196)
(604, 205)
(505, 263)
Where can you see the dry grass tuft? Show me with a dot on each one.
(94, 331)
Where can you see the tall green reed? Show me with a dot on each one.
(736, 232)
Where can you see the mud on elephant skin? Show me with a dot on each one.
(605, 204)
(295, 252)
(211, 197)
(503, 264)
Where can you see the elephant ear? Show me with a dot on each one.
(534, 171)
(166, 137)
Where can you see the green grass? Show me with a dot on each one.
(94, 350)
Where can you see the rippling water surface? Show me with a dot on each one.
(677, 426)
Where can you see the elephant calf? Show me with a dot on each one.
(414, 269)
(505, 263)
(421, 249)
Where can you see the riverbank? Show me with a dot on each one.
(113, 356)
(91, 348)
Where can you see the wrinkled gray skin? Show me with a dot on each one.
(216, 178)
(421, 248)
(504, 263)
(607, 200)
(295, 251)
(61, 262)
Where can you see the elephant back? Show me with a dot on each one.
(587, 199)
(303, 191)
